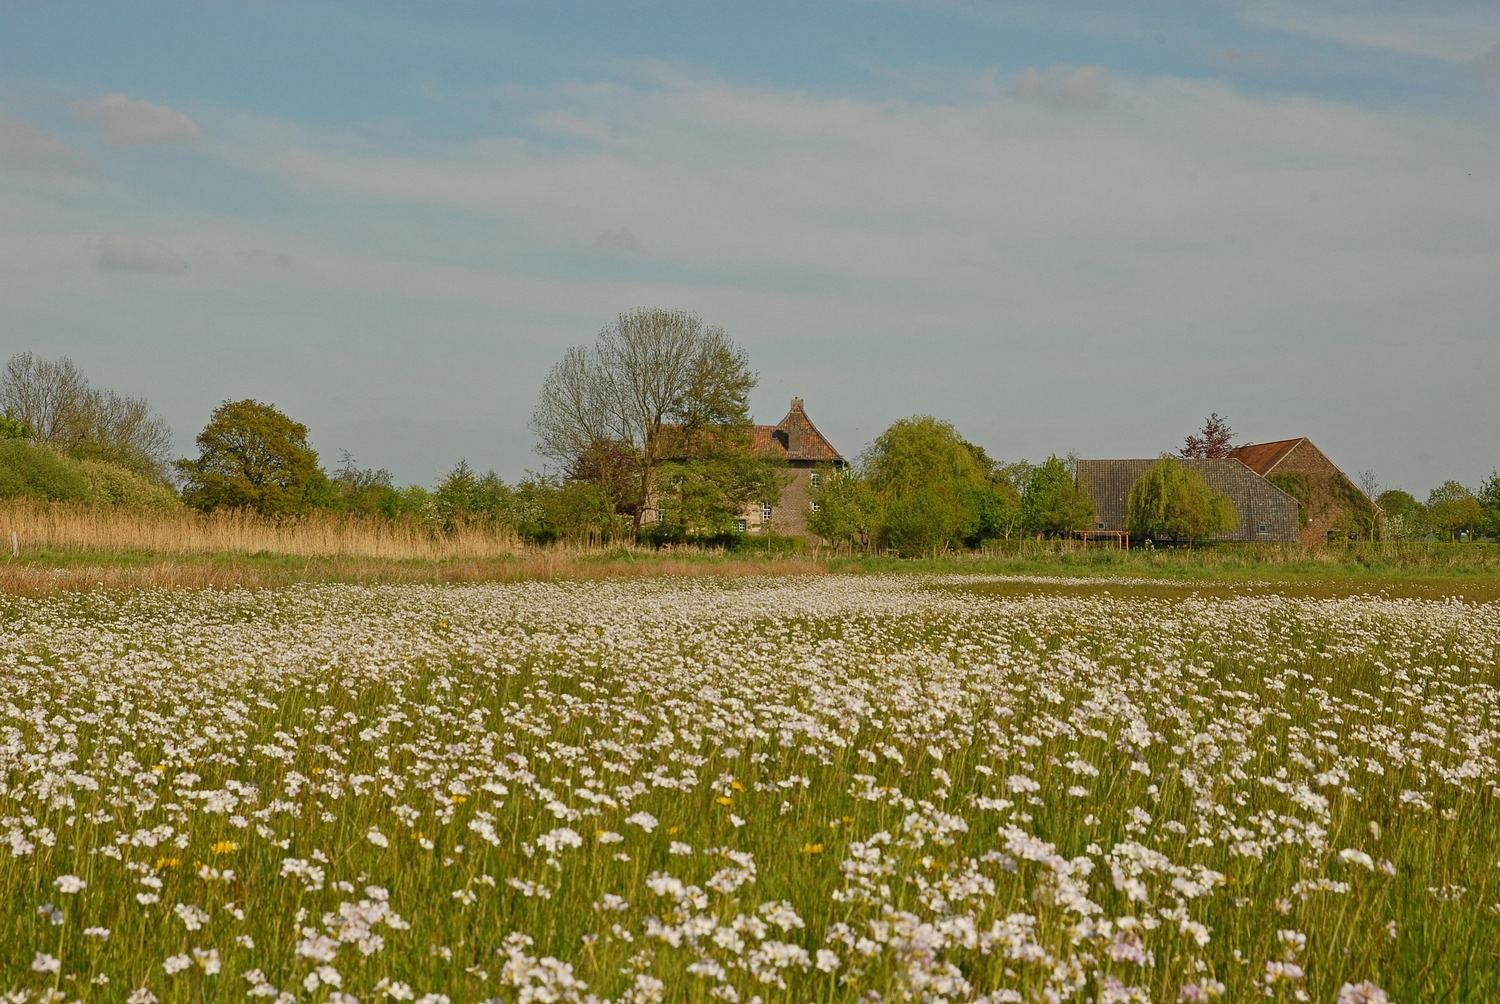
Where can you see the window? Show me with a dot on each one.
(1099, 525)
(765, 512)
(815, 480)
(1262, 529)
(816, 506)
(741, 525)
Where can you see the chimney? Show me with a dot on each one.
(794, 423)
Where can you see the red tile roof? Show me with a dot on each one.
(1263, 457)
(796, 438)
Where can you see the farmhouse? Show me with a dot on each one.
(1265, 511)
(809, 455)
(1333, 508)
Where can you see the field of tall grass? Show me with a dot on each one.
(830, 788)
(63, 527)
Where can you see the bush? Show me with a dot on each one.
(112, 484)
(767, 544)
(32, 470)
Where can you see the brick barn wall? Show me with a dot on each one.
(1327, 511)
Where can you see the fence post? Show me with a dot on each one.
(15, 545)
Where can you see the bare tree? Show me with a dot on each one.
(1215, 439)
(649, 384)
(46, 395)
(55, 399)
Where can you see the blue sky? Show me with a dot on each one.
(1061, 227)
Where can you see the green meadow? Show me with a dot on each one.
(1142, 783)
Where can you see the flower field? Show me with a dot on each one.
(871, 788)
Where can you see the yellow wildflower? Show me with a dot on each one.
(225, 847)
(724, 800)
(737, 786)
(812, 848)
(459, 799)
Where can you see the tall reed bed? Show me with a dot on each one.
(114, 529)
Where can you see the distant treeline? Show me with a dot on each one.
(687, 475)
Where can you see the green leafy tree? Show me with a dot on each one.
(995, 501)
(1170, 501)
(14, 428)
(1489, 504)
(1453, 510)
(544, 509)
(456, 496)
(364, 491)
(1053, 502)
(465, 498)
(1405, 518)
(706, 489)
(252, 456)
(926, 477)
(847, 512)
(414, 502)
(582, 513)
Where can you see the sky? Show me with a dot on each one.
(1061, 227)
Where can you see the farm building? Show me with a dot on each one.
(1266, 513)
(1333, 508)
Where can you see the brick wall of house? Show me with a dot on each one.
(1266, 513)
(789, 516)
(1327, 512)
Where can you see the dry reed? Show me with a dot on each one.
(114, 530)
(221, 550)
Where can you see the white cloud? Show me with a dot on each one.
(127, 253)
(125, 121)
(969, 202)
(1425, 30)
(620, 241)
(1072, 88)
(25, 145)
